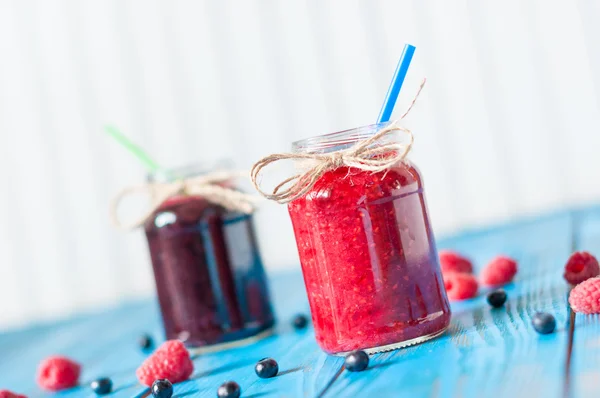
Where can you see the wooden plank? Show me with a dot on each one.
(585, 367)
(487, 352)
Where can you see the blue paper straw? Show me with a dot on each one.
(396, 84)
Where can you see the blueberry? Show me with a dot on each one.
(146, 342)
(229, 389)
(101, 386)
(543, 323)
(162, 388)
(497, 298)
(266, 368)
(356, 361)
(300, 321)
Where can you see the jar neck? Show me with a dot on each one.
(343, 139)
(187, 171)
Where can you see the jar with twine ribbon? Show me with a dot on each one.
(210, 279)
(364, 238)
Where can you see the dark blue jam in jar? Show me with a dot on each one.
(210, 280)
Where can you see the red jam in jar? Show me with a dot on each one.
(211, 285)
(368, 254)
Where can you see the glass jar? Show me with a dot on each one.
(210, 280)
(368, 253)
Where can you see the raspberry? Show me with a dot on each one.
(57, 373)
(10, 394)
(580, 267)
(451, 261)
(170, 361)
(585, 297)
(499, 271)
(460, 286)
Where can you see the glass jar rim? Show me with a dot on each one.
(337, 141)
(187, 171)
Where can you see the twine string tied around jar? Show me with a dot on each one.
(209, 186)
(367, 155)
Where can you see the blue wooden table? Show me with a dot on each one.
(486, 353)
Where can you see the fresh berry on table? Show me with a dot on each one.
(300, 321)
(266, 368)
(497, 298)
(170, 361)
(581, 266)
(585, 297)
(229, 389)
(146, 342)
(460, 286)
(10, 394)
(162, 389)
(451, 261)
(356, 361)
(500, 271)
(543, 322)
(101, 386)
(57, 373)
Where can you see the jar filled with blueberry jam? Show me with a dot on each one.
(210, 280)
(368, 253)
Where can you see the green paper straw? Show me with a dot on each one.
(135, 150)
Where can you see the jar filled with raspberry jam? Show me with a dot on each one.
(368, 253)
(211, 285)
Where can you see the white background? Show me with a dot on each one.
(508, 125)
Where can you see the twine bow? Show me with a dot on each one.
(208, 186)
(365, 155)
